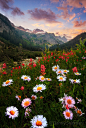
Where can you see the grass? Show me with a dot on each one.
(49, 106)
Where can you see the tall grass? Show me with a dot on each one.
(49, 106)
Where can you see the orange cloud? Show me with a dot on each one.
(79, 24)
(65, 15)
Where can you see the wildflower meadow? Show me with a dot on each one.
(50, 93)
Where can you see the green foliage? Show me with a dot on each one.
(81, 46)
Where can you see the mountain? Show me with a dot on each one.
(74, 41)
(5, 24)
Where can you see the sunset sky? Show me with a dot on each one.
(61, 17)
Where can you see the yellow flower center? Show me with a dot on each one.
(19, 97)
(65, 70)
(42, 78)
(77, 73)
(48, 79)
(61, 78)
(68, 114)
(12, 112)
(39, 88)
(59, 71)
(33, 98)
(7, 81)
(38, 123)
(25, 77)
(74, 80)
(41, 97)
(26, 103)
(79, 112)
(69, 101)
(55, 68)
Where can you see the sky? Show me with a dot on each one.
(61, 17)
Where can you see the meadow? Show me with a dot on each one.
(50, 93)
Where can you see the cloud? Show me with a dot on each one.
(37, 31)
(79, 24)
(38, 25)
(5, 4)
(17, 11)
(74, 3)
(54, 1)
(39, 14)
(65, 15)
(84, 10)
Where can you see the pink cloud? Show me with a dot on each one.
(54, 1)
(37, 30)
(79, 24)
(74, 3)
(17, 11)
(5, 4)
(65, 15)
(40, 14)
(84, 10)
(58, 33)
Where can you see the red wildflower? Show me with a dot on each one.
(23, 64)
(34, 65)
(22, 88)
(67, 107)
(4, 72)
(19, 67)
(67, 57)
(74, 69)
(57, 60)
(54, 57)
(66, 60)
(16, 68)
(4, 65)
(48, 56)
(30, 59)
(51, 53)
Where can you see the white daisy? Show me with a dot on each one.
(39, 87)
(59, 71)
(65, 71)
(24, 77)
(18, 97)
(63, 100)
(48, 79)
(27, 111)
(61, 78)
(42, 78)
(69, 101)
(26, 102)
(38, 122)
(12, 112)
(55, 68)
(79, 100)
(79, 112)
(34, 97)
(77, 73)
(8, 82)
(74, 81)
(68, 114)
